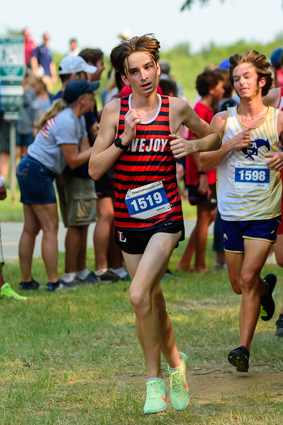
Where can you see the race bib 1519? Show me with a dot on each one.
(147, 201)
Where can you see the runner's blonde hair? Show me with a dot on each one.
(258, 61)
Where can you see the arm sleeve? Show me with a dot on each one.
(65, 135)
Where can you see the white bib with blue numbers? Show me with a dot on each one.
(147, 201)
(251, 175)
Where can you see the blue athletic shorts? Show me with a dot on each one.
(36, 182)
(234, 232)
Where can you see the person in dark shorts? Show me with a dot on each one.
(107, 255)
(201, 185)
(139, 140)
(56, 145)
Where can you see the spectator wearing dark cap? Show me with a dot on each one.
(276, 60)
(77, 204)
(62, 140)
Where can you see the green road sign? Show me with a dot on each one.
(12, 70)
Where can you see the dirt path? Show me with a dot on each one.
(213, 384)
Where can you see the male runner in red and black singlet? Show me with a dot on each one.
(275, 98)
(137, 136)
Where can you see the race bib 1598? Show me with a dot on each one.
(251, 176)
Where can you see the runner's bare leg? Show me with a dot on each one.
(146, 271)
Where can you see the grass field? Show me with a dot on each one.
(73, 357)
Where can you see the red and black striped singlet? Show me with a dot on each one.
(148, 159)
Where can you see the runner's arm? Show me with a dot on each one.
(272, 98)
(210, 160)
(208, 138)
(276, 159)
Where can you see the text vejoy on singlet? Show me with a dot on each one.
(153, 145)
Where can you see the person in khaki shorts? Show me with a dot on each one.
(77, 198)
(77, 204)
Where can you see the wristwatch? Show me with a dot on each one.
(201, 172)
(1, 181)
(119, 144)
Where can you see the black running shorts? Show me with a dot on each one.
(135, 241)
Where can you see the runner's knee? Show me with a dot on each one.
(141, 301)
(248, 279)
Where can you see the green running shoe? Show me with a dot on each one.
(7, 292)
(156, 396)
(179, 392)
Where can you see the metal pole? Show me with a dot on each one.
(12, 160)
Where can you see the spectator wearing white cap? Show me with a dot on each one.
(70, 68)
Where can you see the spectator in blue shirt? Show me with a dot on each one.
(42, 63)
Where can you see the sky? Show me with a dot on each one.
(98, 23)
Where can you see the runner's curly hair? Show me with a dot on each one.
(258, 61)
(146, 43)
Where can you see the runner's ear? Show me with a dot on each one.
(125, 80)
(158, 68)
(262, 82)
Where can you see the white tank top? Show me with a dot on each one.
(247, 189)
